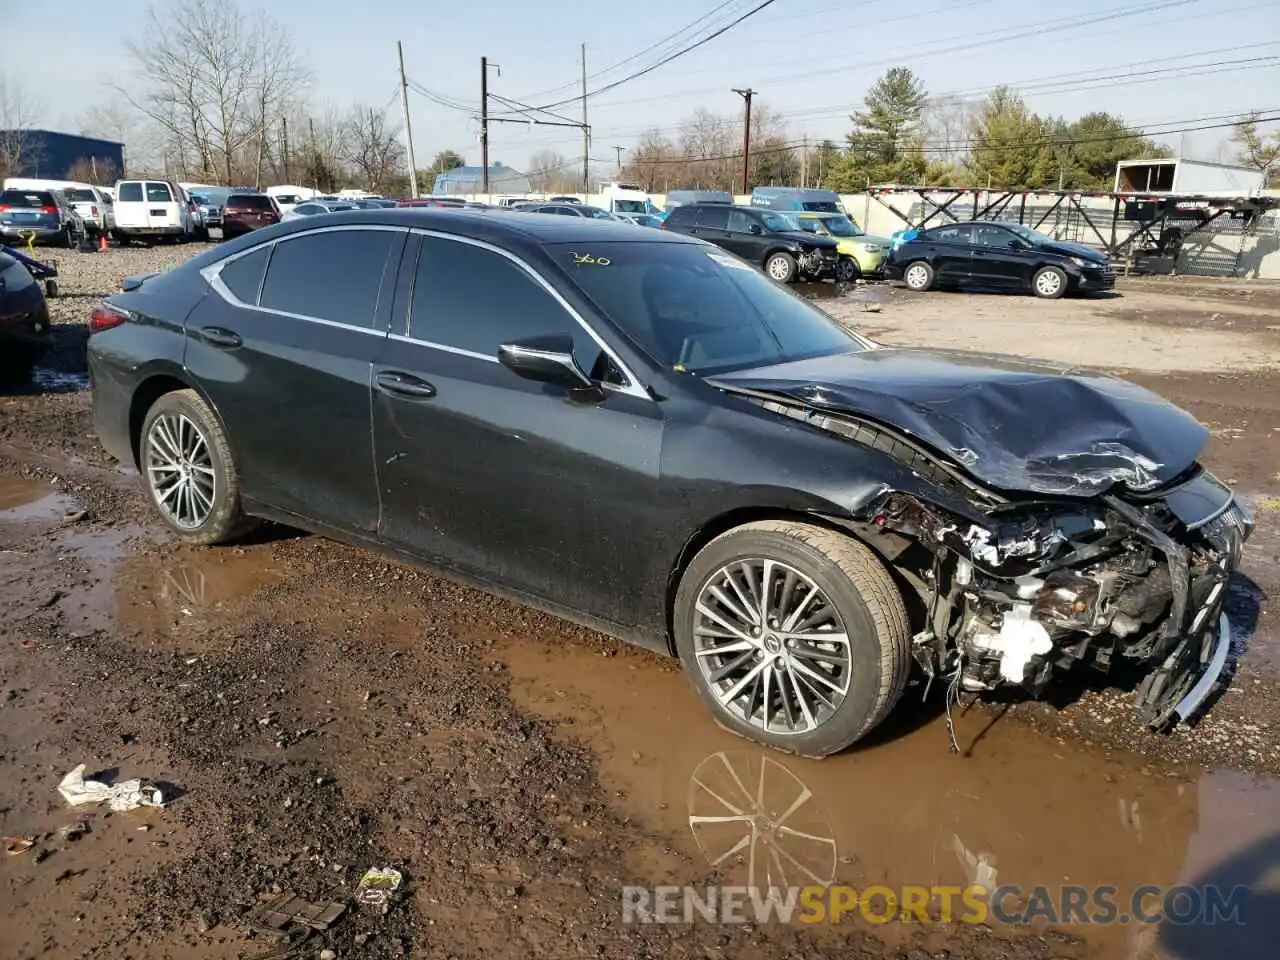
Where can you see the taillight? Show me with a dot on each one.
(5, 208)
(49, 208)
(104, 317)
(93, 211)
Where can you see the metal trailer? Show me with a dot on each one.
(47, 273)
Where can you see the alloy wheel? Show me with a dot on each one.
(778, 269)
(1048, 283)
(180, 470)
(771, 646)
(917, 276)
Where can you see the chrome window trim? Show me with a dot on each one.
(212, 275)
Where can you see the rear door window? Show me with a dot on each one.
(951, 234)
(335, 275)
(159, 193)
(129, 193)
(713, 217)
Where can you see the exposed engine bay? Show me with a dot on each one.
(1029, 586)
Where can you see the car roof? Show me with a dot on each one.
(489, 225)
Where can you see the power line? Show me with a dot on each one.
(636, 56)
(913, 55)
(680, 53)
(1043, 85)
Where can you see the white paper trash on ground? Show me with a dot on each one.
(126, 795)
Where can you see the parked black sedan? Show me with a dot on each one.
(642, 433)
(772, 240)
(24, 320)
(999, 256)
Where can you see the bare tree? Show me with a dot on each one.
(1254, 149)
(947, 121)
(551, 172)
(18, 113)
(93, 170)
(143, 140)
(209, 78)
(372, 146)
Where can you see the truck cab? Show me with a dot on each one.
(625, 198)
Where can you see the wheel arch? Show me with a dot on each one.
(158, 383)
(721, 524)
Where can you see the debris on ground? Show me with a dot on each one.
(74, 831)
(126, 795)
(288, 909)
(15, 845)
(378, 886)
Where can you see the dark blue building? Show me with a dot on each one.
(51, 156)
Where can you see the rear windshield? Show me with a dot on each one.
(129, 193)
(26, 198)
(159, 193)
(249, 201)
(286, 198)
(80, 195)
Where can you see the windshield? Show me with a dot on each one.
(841, 227)
(1027, 234)
(699, 310)
(629, 206)
(778, 221)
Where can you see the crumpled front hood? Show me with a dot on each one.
(1013, 424)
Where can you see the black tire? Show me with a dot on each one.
(1049, 283)
(847, 270)
(860, 590)
(225, 520)
(69, 239)
(17, 364)
(918, 276)
(781, 266)
(51, 289)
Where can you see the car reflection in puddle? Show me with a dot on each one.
(1017, 807)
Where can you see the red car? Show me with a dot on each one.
(248, 211)
(432, 202)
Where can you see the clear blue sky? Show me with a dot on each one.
(810, 59)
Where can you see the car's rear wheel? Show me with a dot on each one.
(1049, 283)
(794, 636)
(781, 266)
(847, 270)
(918, 276)
(189, 471)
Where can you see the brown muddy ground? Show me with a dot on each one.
(314, 710)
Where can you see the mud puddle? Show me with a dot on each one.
(26, 500)
(1015, 807)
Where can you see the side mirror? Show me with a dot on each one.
(547, 360)
(757, 229)
(1016, 244)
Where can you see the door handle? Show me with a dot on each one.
(404, 385)
(221, 337)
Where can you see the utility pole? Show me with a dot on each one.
(746, 96)
(484, 124)
(315, 157)
(408, 125)
(804, 163)
(618, 150)
(586, 130)
(284, 148)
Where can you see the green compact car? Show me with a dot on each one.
(861, 255)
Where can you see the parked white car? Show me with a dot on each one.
(151, 210)
(95, 208)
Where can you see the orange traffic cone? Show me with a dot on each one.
(102, 242)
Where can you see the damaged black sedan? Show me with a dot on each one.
(647, 436)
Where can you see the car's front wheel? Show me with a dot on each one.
(847, 270)
(918, 276)
(781, 266)
(1049, 283)
(793, 635)
(189, 471)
